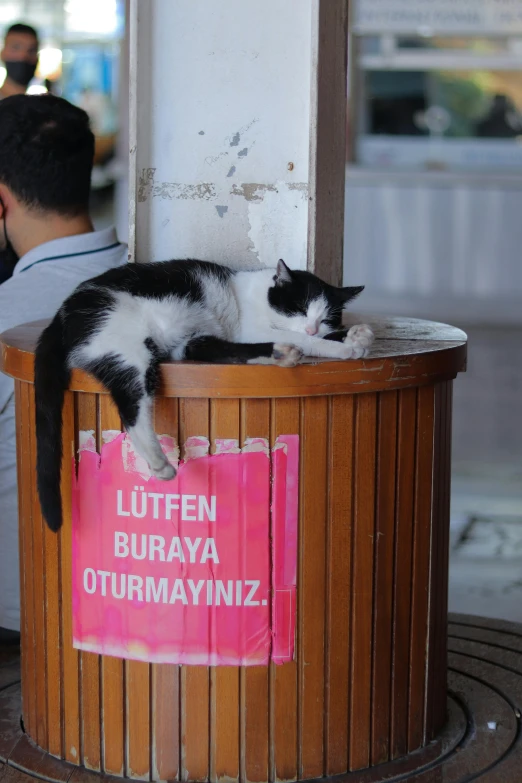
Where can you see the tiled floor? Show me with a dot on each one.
(486, 515)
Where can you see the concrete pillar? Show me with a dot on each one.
(237, 131)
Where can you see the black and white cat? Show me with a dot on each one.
(121, 325)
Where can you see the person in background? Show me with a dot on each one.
(20, 57)
(46, 155)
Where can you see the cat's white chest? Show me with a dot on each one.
(222, 306)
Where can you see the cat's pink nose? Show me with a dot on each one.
(311, 330)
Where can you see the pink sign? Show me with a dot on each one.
(199, 570)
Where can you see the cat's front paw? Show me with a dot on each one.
(358, 341)
(286, 355)
(166, 472)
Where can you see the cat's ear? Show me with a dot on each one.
(348, 294)
(283, 274)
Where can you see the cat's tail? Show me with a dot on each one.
(51, 379)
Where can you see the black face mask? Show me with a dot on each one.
(8, 258)
(20, 71)
(8, 261)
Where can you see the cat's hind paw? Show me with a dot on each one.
(361, 338)
(166, 472)
(286, 355)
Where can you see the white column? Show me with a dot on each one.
(238, 131)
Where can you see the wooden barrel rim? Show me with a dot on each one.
(407, 352)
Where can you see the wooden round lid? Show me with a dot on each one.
(406, 352)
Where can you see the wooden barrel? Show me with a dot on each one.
(368, 683)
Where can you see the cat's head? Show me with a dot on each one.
(304, 303)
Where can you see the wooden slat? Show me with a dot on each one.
(29, 564)
(165, 705)
(445, 527)
(438, 697)
(165, 722)
(442, 651)
(283, 679)
(40, 730)
(113, 682)
(90, 682)
(53, 660)
(434, 577)
(224, 694)
(254, 685)
(137, 681)
(339, 575)
(311, 590)
(26, 547)
(438, 703)
(194, 680)
(137, 689)
(112, 669)
(402, 575)
(383, 593)
(70, 656)
(421, 563)
(20, 446)
(23, 608)
(362, 580)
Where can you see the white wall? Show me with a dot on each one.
(442, 246)
(223, 108)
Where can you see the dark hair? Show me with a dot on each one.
(21, 28)
(46, 153)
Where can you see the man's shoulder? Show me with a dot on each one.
(76, 266)
(39, 291)
(79, 255)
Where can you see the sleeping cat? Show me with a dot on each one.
(121, 325)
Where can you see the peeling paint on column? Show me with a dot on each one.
(255, 191)
(145, 184)
(243, 153)
(203, 191)
(251, 191)
(147, 187)
(221, 210)
(278, 216)
(235, 140)
(232, 171)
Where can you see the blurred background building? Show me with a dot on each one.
(435, 157)
(434, 229)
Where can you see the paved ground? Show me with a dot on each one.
(486, 514)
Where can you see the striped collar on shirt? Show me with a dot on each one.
(69, 247)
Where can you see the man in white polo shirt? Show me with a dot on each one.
(46, 153)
